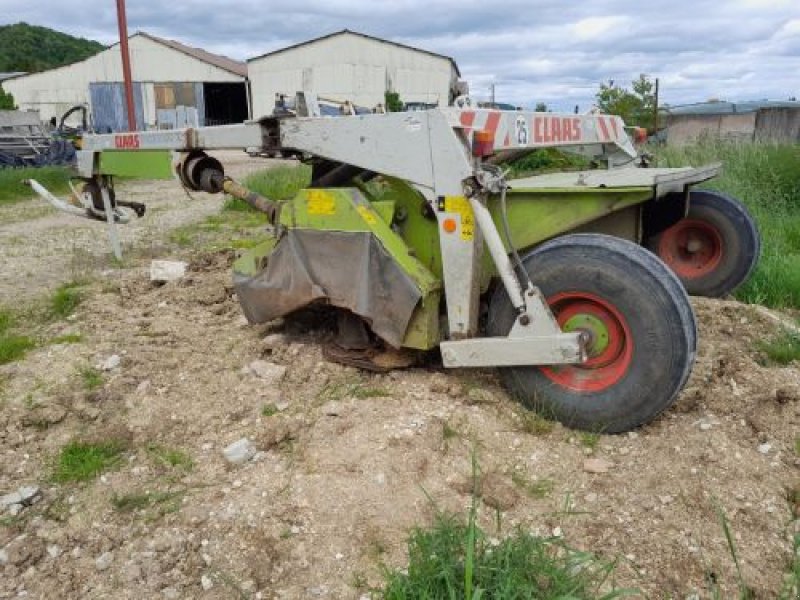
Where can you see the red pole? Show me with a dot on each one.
(126, 64)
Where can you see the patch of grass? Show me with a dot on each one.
(797, 446)
(279, 183)
(535, 488)
(91, 377)
(533, 423)
(14, 347)
(782, 349)
(69, 338)
(745, 592)
(170, 457)
(66, 299)
(12, 190)
(590, 440)
(454, 559)
(791, 582)
(449, 432)
(764, 178)
(164, 502)
(269, 410)
(83, 461)
(344, 388)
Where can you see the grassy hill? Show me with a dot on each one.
(30, 48)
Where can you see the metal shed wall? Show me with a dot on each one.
(349, 66)
(53, 92)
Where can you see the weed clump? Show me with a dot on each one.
(83, 461)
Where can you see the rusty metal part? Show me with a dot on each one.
(257, 201)
(371, 359)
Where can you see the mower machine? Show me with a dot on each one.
(411, 230)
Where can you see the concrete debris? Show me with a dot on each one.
(206, 582)
(239, 452)
(104, 561)
(271, 373)
(109, 364)
(764, 448)
(597, 465)
(167, 270)
(24, 496)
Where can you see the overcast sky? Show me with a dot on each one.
(556, 51)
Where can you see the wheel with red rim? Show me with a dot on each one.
(714, 249)
(638, 325)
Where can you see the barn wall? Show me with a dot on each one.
(685, 129)
(778, 125)
(351, 67)
(53, 92)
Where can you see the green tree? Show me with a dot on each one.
(540, 107)
(6, 100)
(635, 106)
(393, 102)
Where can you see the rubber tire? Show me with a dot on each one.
(741, 243)
(658, 313)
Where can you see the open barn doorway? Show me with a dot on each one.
(225, 103)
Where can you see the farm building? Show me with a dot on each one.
(174, 85)
(773, 121)
(353, 66)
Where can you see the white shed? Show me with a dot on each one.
(347, 65)
(174, 85)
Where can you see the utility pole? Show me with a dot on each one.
(655, 110)
(122, 21)
(491, 87)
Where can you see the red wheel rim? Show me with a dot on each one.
(691, 248)
(610, 346)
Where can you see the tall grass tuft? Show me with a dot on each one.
(278, 183)
(766, 178)
(456, 560)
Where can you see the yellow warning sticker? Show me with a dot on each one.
(460, 205)
(321, 202)
(366, 214)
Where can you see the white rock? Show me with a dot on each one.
(104, 561)
(271, 373)
(764, 448)
(558, 532)
(53, 551)
(170, 593)
(705, 426)
(3, 557)
(239, 452)
(206, 583)
(109, 364)
(15, 509)
(167, 270)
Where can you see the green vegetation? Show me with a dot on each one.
(13, 346)
(352, 388)
(6, 100)
(91, 377)
(269, 410)
(279, 183)
(545, 160)
(69, 338)
(535, 488)
(782, 349)
(13, 190)
(83, 461)
(635, 106)
(30, 48)
(454, 559)
(392, 102)
(765, 178)
(533, 423)
(590, 440)
(66, 299)
(170, 457)
(164, 502)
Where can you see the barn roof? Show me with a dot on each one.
(223, 62)
(363, 35)
(728, 108)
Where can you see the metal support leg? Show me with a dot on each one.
(112, 226)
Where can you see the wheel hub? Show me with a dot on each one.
(609, 345)
(691, 248)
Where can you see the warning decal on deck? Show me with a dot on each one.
(321, 202)
(366, 214)
(460, 205)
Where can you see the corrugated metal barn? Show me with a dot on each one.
(174, 85)
(352, 66)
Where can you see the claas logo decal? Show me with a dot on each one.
(128, 141)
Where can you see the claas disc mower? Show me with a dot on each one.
(572, 284)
